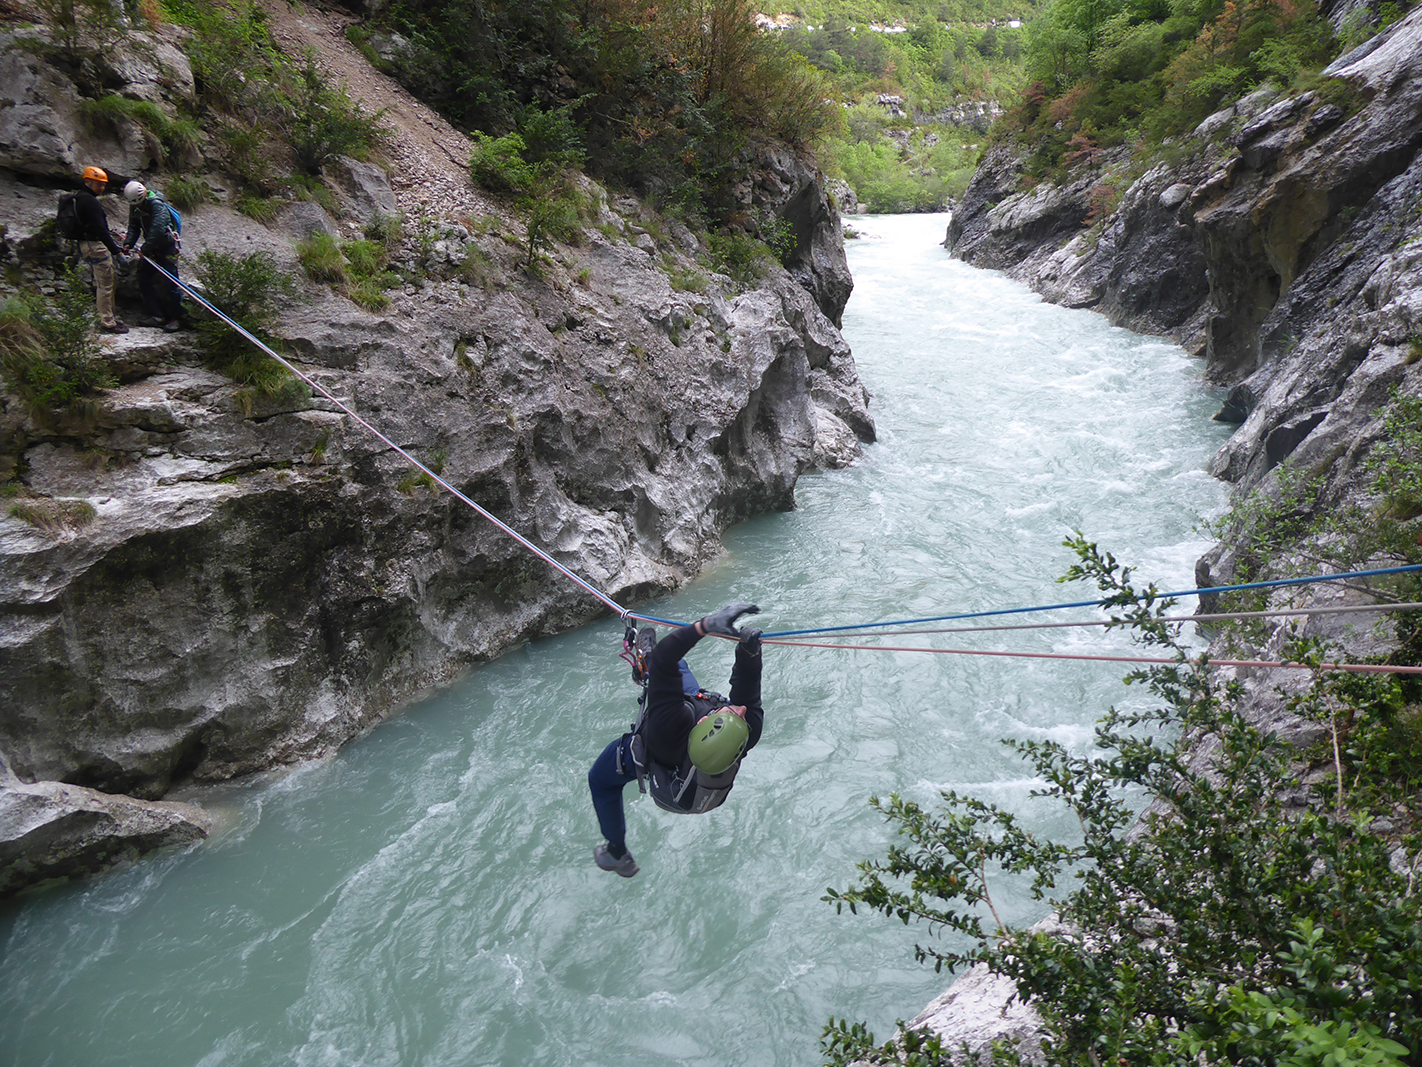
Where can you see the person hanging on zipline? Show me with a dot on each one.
(687, 743)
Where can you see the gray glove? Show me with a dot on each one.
(750, 640)
(721, 621)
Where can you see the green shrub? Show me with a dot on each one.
(743, 258)
(54, 516)
(1237, 926)
(261, 209)
(175, 137)
(251, 289)
(320, 256)
(48, 352)
(366, 258)
(370, 294)
(498, 163)
(230, 50)
(186, 195)
(82, 27)
(323, 122)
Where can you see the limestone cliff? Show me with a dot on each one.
(1205, 246)
(261, 580)
(1285, 244)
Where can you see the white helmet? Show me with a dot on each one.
(134, 191)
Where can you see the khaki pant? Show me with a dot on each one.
(99, 260)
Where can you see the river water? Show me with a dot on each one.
(428, 897)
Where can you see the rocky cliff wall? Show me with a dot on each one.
(1204, 246)
(261, 580)
(1285, 245)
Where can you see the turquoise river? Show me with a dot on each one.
(428, 897)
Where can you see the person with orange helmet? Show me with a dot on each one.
(97, 246)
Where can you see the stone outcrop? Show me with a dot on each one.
(1203, 250)
(50, 831)
(783, 184)
(206, 580)
(1287, 247)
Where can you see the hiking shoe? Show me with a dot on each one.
(150, 320)
(117, 327)
(626, 866)
(172, 326)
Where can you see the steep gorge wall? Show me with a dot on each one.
(1284, 246)
(1203, 247)
(262, 580)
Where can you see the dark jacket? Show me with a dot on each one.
(149, 217)
(670, 715)
(93, 222)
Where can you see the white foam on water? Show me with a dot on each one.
(429, 898)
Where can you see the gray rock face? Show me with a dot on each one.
(1205, 249)
(786, 185)
(50, 831)
(260, 584)
(1304, 222)
(42, 131)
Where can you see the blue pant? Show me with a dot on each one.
(607, 784)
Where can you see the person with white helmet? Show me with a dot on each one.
(687, 743)
(97, 246)
(149, 217)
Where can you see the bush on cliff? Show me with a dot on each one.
(1253, 921)
(48, 352)
(658, 98)
(1108, 72)
(251, 289)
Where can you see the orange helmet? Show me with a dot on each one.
(96, 173)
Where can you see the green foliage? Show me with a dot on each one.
(172, 137)
(741, 257)
(53, 516)
(257, 208)
(552, 205)
(499, 164)
(325, 122)
(320, 257)
(1116, 71)
(658, 98)
(252, 290)
(230, 50)
(186, 195)
(48, 352)
(1234, 928)
(82, 27)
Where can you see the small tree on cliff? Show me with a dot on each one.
(1236, 927)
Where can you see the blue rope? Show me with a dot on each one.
(1102, 602)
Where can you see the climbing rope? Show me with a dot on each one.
(318, 387)
(1277, 583)
(778, 637)
(1200, 661)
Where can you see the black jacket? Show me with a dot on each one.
(670, 716)
(93, 223)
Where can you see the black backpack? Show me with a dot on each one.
(66, 222)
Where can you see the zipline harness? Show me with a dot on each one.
(778, 637)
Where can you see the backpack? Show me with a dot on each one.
(684, 790)
(175, 220)
(66, 221)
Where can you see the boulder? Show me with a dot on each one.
(365, 188)
(51, 831)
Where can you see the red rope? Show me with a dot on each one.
(1356, 668)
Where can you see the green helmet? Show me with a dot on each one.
(717, 741)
